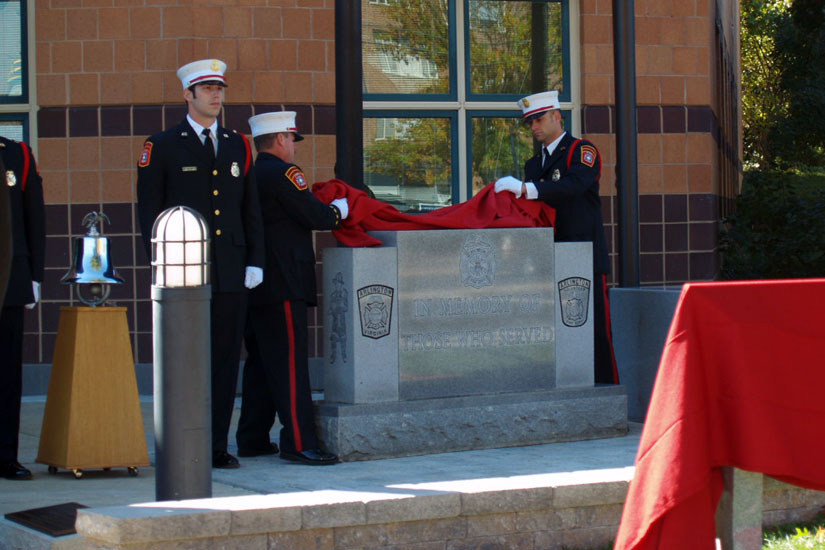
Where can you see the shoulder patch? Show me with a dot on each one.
(589, 155)
(295, 175)
(146, 155)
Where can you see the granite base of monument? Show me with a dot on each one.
(451, 340)
(369, 431)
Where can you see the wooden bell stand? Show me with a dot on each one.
(92, 417)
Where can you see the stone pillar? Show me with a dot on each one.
(360, 312)
(739, 515)
(574, 314)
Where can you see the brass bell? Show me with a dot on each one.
(91, 266)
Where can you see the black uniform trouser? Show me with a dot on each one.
(228, 317)
(11, 380)
(605, 371)
(276, 378)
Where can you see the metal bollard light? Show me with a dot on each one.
(181, 300)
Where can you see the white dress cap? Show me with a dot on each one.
(204, 70)
(273, 123)
(539, 103)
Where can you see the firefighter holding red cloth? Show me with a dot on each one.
(565, 175)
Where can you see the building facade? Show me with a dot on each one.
(89, 80)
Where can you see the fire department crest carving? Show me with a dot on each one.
(478, 262)
(574, 297)
(375, 309)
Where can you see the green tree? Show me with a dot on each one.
(783, 83)
(801, 47)
(764, 100)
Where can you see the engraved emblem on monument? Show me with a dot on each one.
(574, 294)
(478, 262)
(338, 307)
(375, 308)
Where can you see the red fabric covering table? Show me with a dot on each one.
(485, 209)
(740, 384)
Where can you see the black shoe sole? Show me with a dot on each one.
(13, 478)
(298, 458)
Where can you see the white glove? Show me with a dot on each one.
(254, 276)
(342, 206)
(532, 193)
(509, 183)
(36, 293)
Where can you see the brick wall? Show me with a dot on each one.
(105, 79)
(688, 145)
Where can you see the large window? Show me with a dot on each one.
(14, 84)
(440, 81)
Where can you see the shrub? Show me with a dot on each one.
(778, 230)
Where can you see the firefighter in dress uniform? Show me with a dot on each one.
(208, 168)
(276, 373)
(565, 174)
(28, 244)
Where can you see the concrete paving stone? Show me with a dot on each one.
(333, 515)
(251, 542)
(494, 524)
(156, 522)
(265, 513)
(409, 532)
(413, 546)
(587, 539)
(314, 539)
(588, 494)
(500, 542)
(411, 509)
(496, 502)
(361, 536)
(541, 520)
(590, 516)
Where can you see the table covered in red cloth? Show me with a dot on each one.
(486, 209)
(740, 384)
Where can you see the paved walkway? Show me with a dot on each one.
(561, 463)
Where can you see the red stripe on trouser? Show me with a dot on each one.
(609, 331)
(293, 390)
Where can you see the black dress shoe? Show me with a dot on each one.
(14, 470)
(222, 459)
(313, 457)
(270, 449)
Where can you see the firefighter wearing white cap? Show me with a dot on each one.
(200, 164)
(276, 373)
(565, 174)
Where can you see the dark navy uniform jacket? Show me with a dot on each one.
(175, 170)
(28, 226)
(290, 213)
(574, 194)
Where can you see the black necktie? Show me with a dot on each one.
(207, 143)
(544, 154)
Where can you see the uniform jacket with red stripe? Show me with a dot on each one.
(28, 226)
(574, 194)
(290, 213)
(175, 169)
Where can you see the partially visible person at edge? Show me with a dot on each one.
(276, 373)
(208, 168)
(28, 242)
(565, 174)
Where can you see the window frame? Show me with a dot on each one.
(24, 107)
(465, 105)
(454, 157)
